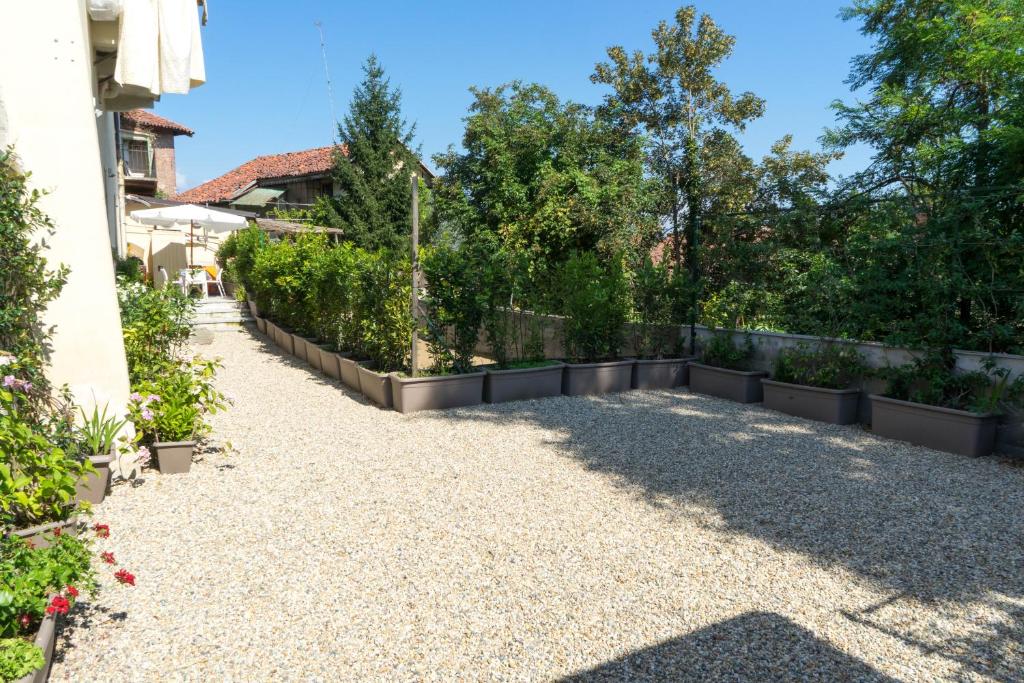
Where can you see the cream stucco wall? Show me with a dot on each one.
(48, 113)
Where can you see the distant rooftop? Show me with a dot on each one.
(147, 119)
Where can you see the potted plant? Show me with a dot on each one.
(594, 298)
(816, 383)
(725, 370)
(97, 435)
(931, 403)
(452, 317)
(657, 294)
(174, 419)
(384, 324)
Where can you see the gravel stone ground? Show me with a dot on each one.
(641, 536)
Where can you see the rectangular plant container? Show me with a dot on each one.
(254, 310)
(736, 385)
(836, 406)
(330, 363)
(580, 379)
(173, 457)
(349, 369)
(436, 393)
(41, 534)
(298, 346)
(45, 640)
(261, 325)
(522, 384)
(93, 487)
(313, 354)
(375, 386)
(271, 331)
(664, 373)
(944, 429)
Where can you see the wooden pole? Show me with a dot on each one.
(415, 269)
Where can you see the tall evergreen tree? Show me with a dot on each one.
(373, 175)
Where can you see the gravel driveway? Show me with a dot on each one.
(641, 536)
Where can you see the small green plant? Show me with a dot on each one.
(721, 351)
(98, 432)
(830, 366)
(18, 658)
(595, 300)
(933, 379)
(174, 406)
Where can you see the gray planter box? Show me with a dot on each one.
(436, 393)
(836, 406)
(299, 346)
(45, 640)
(254, 310)
(41, 534)
(330, 363)
(374, 386)
(313, 354)
(349, 369)
(944, 429)
(173, 457)
(735, 385)
(664, 373)
(523, 384)
(580, 379)
(283, 340)
(261, 325)
(93, 487)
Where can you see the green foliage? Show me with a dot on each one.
(18, 658)
(173, 405)
(545, 178)
(155, 326)
(98, 432)
(659, 296)
(382, 310)
(831, 366)
(595, 298)
(933, 379)
(372, 198)
(454, 306)
(237, 254)
(27, 282)
(28, 577)
(130, 268)
(721, 351)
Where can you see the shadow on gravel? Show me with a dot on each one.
(756, 646)
(923, 525)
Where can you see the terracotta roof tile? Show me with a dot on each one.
(223, 188)
(147, 119)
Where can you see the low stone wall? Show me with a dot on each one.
(767, 345)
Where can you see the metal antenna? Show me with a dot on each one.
(327, 73)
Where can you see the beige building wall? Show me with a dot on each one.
(48, 112)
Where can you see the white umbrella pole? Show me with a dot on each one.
(192, 244)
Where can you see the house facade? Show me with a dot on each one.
(146, 153)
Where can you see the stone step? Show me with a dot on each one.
(212, 318)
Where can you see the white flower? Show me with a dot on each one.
(6, 360)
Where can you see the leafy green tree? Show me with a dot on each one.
(687, 114)
(545, 177)
(374, 192)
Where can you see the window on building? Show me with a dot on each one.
(138, 158)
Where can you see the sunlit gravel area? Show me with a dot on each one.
(642, 536)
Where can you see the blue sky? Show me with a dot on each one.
(266, 91)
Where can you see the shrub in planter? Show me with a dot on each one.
(155, 326)
(170, 412)
(725, 370)
(656, 295)
(384, 320)
(595, 299)
(930, 403)
(816, 383)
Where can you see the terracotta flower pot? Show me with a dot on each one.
(412, 394)
(522, 384)
(374, 385)
(663, 373)
(93, 487)
(261, 325)
(580, 379)
(45, 640)
(173, 457)
(944, 429)
(41, 535)
(836, 406)
(735, 385)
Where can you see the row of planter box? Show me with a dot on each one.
(943, 429)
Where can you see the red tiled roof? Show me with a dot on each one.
(147, 119)
(306, 162)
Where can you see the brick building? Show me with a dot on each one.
(146, 153)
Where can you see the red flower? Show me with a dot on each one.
(58, 531)
(125, 576)
(72, 591)
(25, 620)
(102, 530)
(108, 558)
(59, 605)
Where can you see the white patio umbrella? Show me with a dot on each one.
(205, 217)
